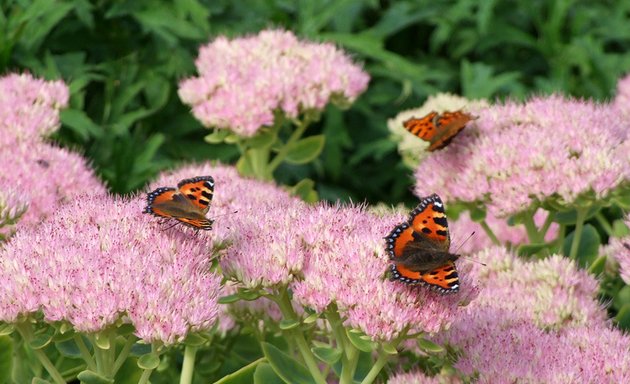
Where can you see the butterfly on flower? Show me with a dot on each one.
(438, 129)
(419, 248)
(188, 203)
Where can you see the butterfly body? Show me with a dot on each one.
(438, 129)
(188, 203)
(419, 248)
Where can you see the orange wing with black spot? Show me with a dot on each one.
(419, 248)
(188, 204)
(438, 129)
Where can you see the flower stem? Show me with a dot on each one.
(188, 367)
(284, 151)
(532, 232)
(228, 378)
(85, 352)
(376, 368)
(288, 313)
(546, 225)
(25, 330)
(577, 233)
(489, 232)
(604, 223)
(124, 353)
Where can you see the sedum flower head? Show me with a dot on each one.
(46, 177)
(546, 149)
(346, 266)
(622, 100)
(29, 107)
(410, 147)
(98, 261)
(619, 250)
(243, 81)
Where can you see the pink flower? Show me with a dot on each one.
(46, 177)
(29, 107)
(243, 81)
(622, 99)
(264, 232)
(12, 207)
(346, 265)
(418, 377)
(537, 322)
(547, 148)
(98, 261)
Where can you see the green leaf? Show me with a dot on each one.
(623, 317)
(263, 139)
(248, 294)
(217, 137)
(195, 340)
(311, 318)
(149, 361)
(42, 339)
(102, 340)
(289, 369)
(477, 214)
(327, 354)
(244, 167)
(305, 150)
(81, 124)
(286, 324)
(570, 217)
(6, 358)
(598, 266)
(264, 374)
(305, 190)
(6, 329)
(360, 340)
(620, 229)
(530, 249)
(68, 348)
(429, 346)
(390, 349)
(229, 299)
(588, 249)
(37, 380)
(91, 377)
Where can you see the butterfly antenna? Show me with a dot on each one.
(225, 214)
(465, 257)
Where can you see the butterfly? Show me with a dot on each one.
(188, 203)
(438, 129)
(419, 248)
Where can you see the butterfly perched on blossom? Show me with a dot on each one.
(438, 129)
(188, 203)
(419, 248)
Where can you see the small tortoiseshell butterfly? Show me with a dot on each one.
(188, 203)
(419, 248)
(438, 129)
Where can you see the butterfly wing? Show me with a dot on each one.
(449, 124)
(424, 127)
(171, 204)
(419, 248)
(199, 190)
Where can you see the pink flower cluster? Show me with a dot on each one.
(324, 254)
(619, 250)
(622, 99)
(537, 322)
(99, 260)
(243, 81)
(45, 176)
(29, 107)
(516, 154)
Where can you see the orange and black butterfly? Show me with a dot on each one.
(188, 203)
(419, 248)
(438, 129)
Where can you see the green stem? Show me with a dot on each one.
(85, 352)
(349, 366)
(532, 232)
(284, 151)
(288, 313)
(124, 353)
(604, 223)
(144, 379)
(188, 366)
(98, 355)
(27, 334)
(376, 368)
(577, 233)
(546, 225)
(227, 378)
(489, 232)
